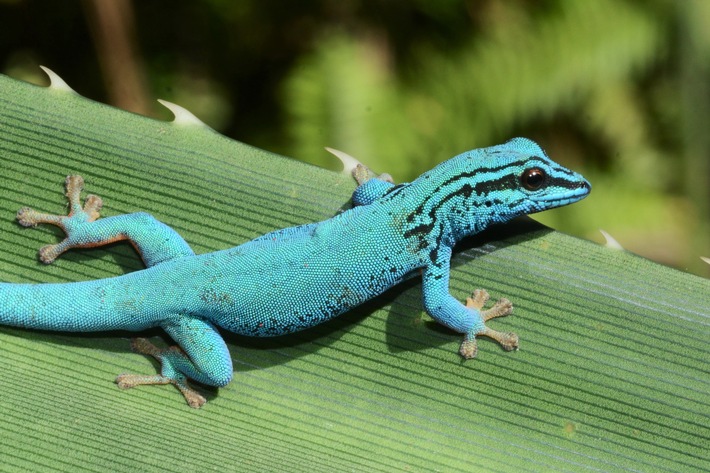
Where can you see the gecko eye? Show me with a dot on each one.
(533, 179)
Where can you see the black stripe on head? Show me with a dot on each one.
(565, 183)
(506, 181)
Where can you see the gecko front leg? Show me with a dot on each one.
(468, 319)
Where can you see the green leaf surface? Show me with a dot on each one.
(612, 374)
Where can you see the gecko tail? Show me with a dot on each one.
(64, 307)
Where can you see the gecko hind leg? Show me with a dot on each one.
(154, 241)
(508, 340)
(201, 356)
(143, 346)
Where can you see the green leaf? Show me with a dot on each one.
(612, 374)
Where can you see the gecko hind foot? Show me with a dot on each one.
(362, 174)
(508, 340)
(143, 346)
(78, 215)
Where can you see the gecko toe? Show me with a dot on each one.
(128, 381)
(26, 217)
(469, 348)
(92, 207)
(478, 299)
(192, 397)
(509, 341)
(501, 308)
(49, 253)
(361, 174)
(74, 184)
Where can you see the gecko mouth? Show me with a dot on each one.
(573, 194)
(567, 197)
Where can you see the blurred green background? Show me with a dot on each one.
(616, 89)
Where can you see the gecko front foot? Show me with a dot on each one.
(508, 340)
(78, 215)
(168, 376)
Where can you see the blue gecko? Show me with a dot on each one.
(294, 278)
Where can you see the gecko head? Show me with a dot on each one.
(491, 185)
(517, 178)
(536, 182)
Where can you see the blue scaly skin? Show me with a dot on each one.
(294, 278)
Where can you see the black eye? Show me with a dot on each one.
(533, 179)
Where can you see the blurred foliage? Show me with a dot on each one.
(616, 89)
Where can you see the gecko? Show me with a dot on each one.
(293, 278)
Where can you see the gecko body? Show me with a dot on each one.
(294, 278)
